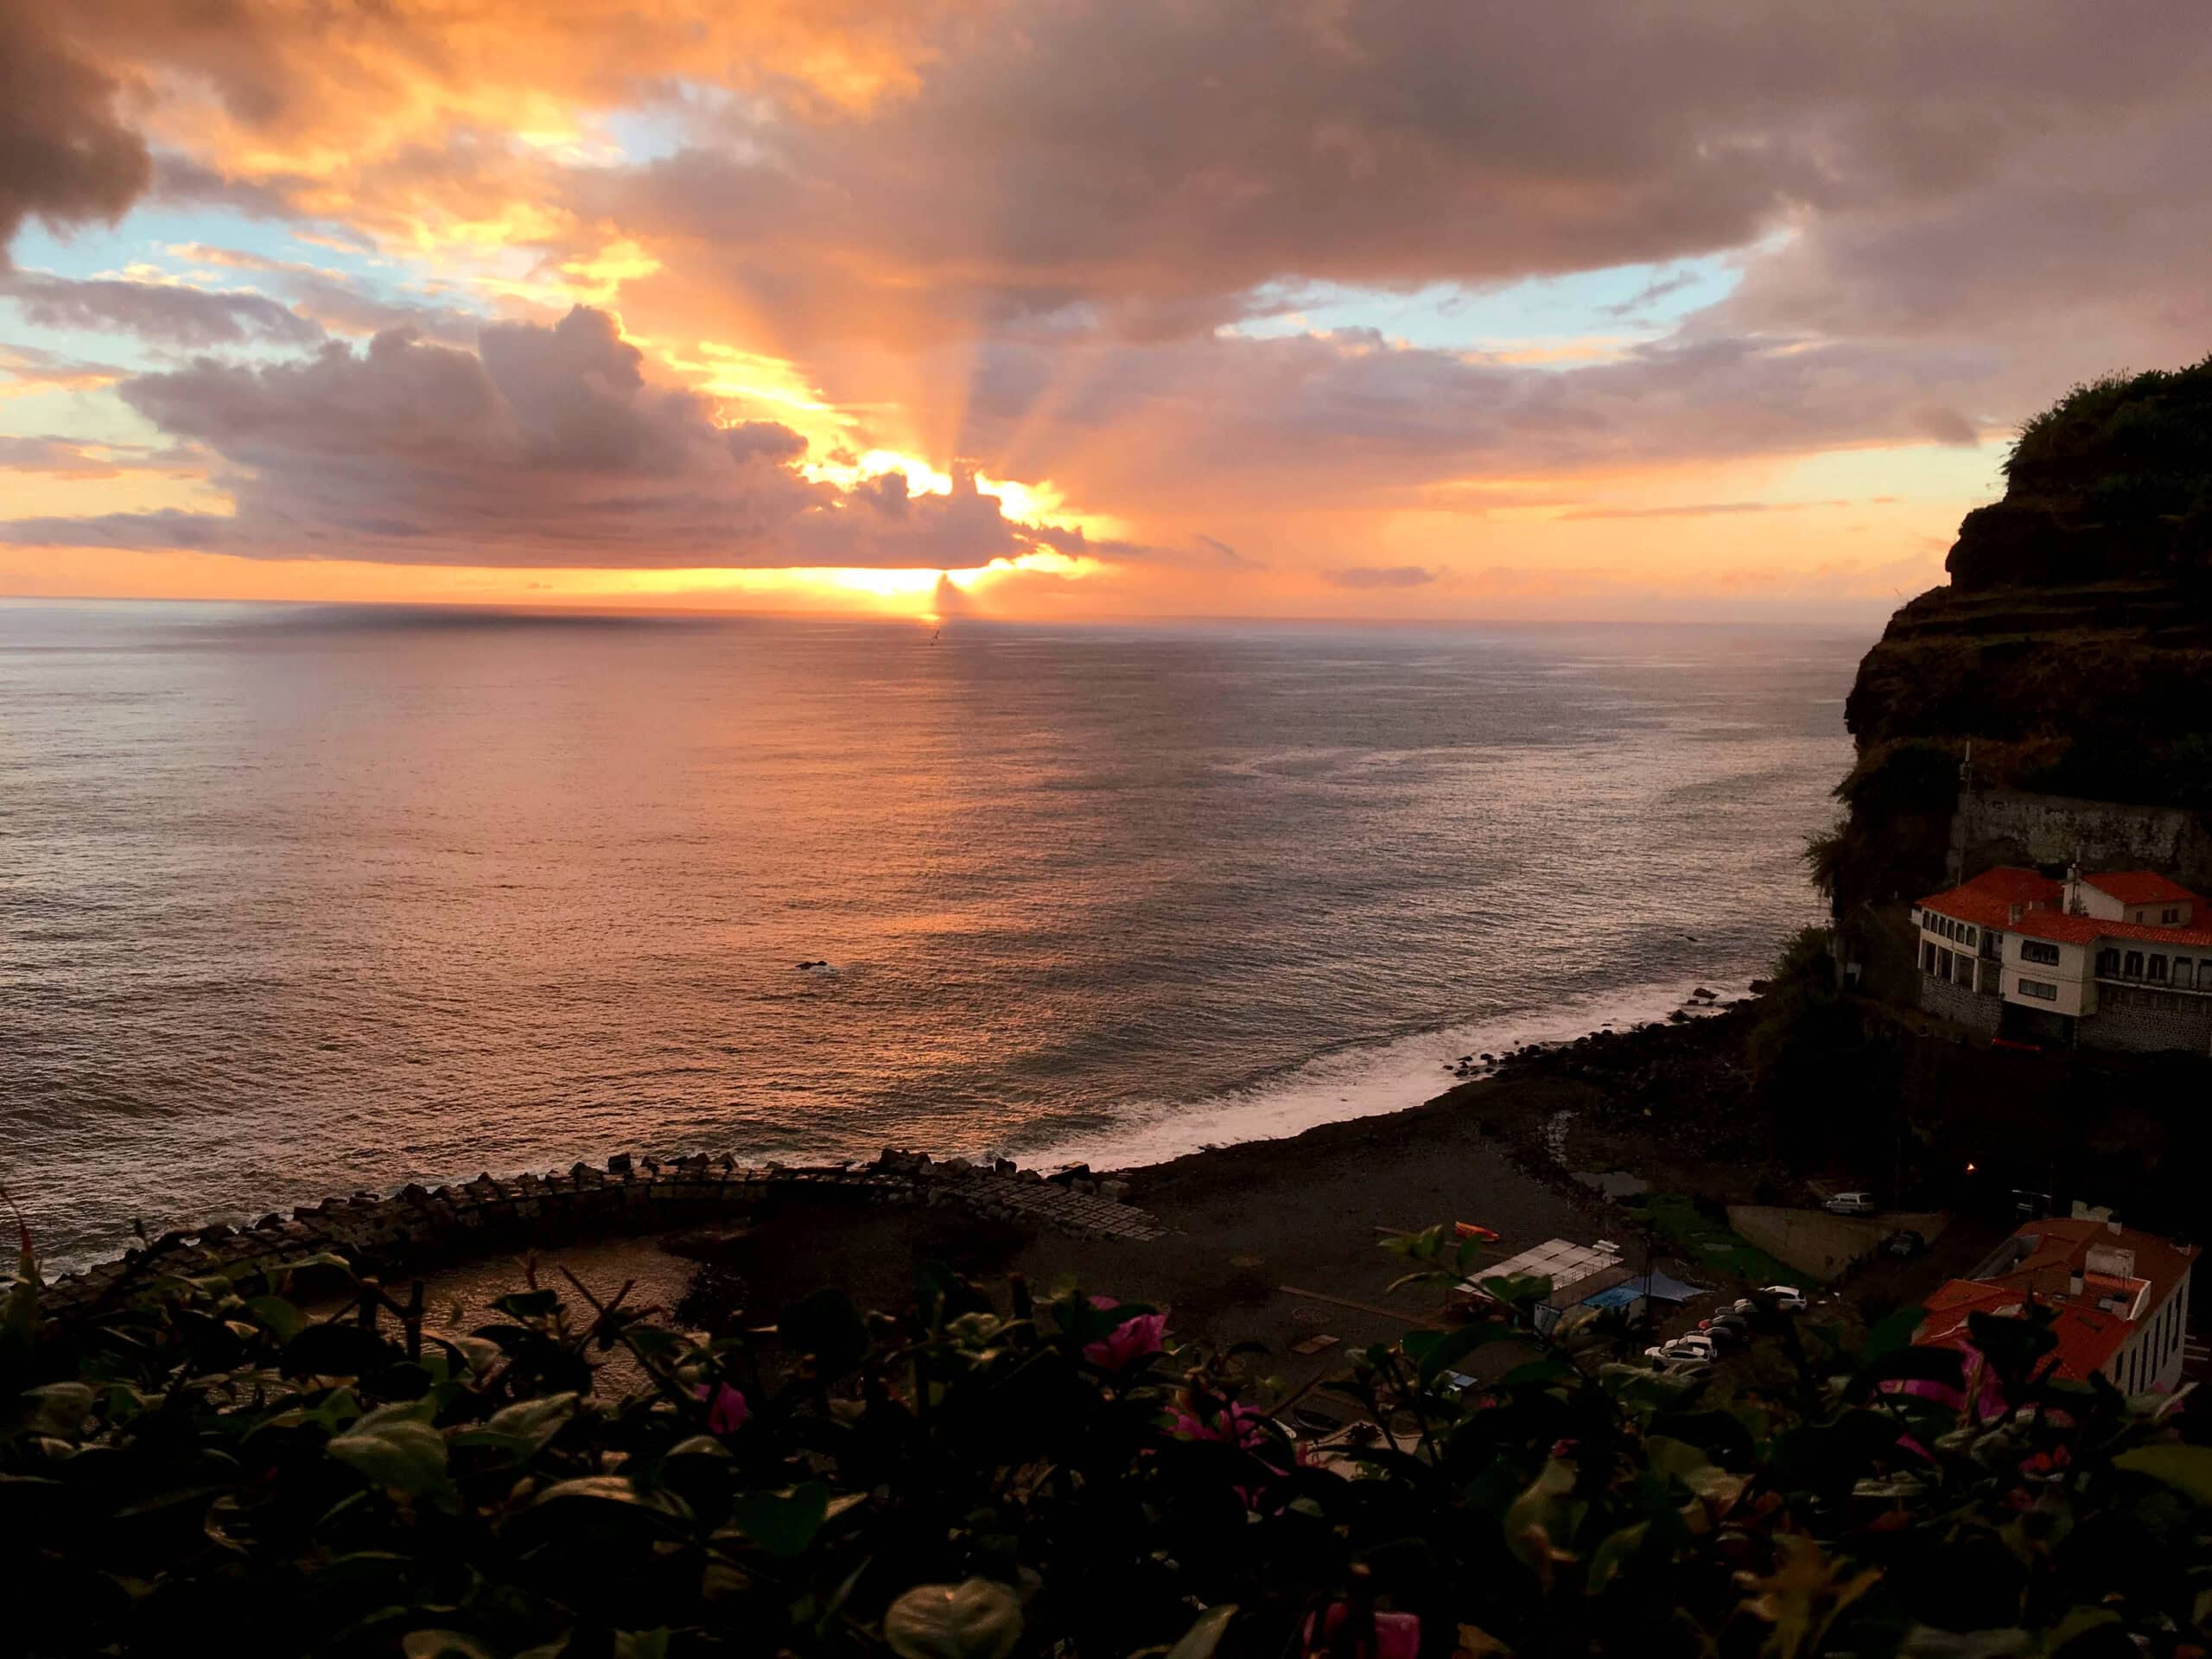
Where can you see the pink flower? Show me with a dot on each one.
(726, 1410)
(1128, 1342)
(1397, 1635)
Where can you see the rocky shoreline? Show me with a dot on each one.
(418, 1227)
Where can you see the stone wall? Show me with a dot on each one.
(2143, 1021)
(1961, 1005)
(1820, 1245)
(2004, 826)
(418, 1226)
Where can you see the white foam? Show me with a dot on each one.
(1365, 1080)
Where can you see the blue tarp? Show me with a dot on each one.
(1618, 1296)
(1672, 1290)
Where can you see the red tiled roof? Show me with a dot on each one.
(2060, 928)
(2142, 887)
(2088, 1335)
(1988, 899)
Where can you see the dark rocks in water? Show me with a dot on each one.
(1760, 987)
(1701, 994)
(1678, 1017)
(618, 1164)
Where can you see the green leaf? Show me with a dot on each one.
(1438, 1351)
(2187, 1469)
(282, 1319)
(783, 1523)
(1893, 1333)
(56, 1408)
(1615, 1552)
(399, 1454)
(1204, 1634)
(527, 1305)
(1537, 1372)
(523, 1427)
(974, 1620)
(443, 1645)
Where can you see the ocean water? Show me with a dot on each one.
(296, 900)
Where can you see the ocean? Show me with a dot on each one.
(297, 900)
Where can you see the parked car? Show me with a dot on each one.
(1904, 1243)
(1788, 1298)
(1680, 1355)
(1728, 1334)
(1852, 1203)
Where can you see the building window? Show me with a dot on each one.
(2133, 966)
(2040, 988)
(2037, 950)
(2108, 964)
(2185, 972)
(1927, 956)
(2170, 917)
(2158, 970)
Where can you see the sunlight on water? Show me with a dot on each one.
(302, 899)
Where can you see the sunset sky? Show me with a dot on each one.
(1305, 307)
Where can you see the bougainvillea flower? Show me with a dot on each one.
(1397, 1635)
(726, 1410)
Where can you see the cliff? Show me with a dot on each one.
(2072, 646)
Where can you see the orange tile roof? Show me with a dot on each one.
(2088, 1335)
(1988, 899)
(2142, 887)
(2060, 928)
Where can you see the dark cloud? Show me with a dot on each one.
(768, 440)
(1347, 420)
(547, 445)
(1029, 228)
(1363, 576)
(1151, 166)
(1944, 426)
(63, 457)
(171, 313)
(65, 156)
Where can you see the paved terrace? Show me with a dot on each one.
(417, 1226)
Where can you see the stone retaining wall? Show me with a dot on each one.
(417, 1226)
(2144, 1020)
(1975, 1009)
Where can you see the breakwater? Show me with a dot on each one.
(420, 1226)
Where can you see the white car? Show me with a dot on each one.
(1788, 1298)
(1679, 1355)
(1852, 1203)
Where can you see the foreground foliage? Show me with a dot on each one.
(216, 1472)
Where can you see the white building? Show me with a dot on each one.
(2110, 961)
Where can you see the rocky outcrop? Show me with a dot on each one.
(2072, 647)
(419, 1226)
